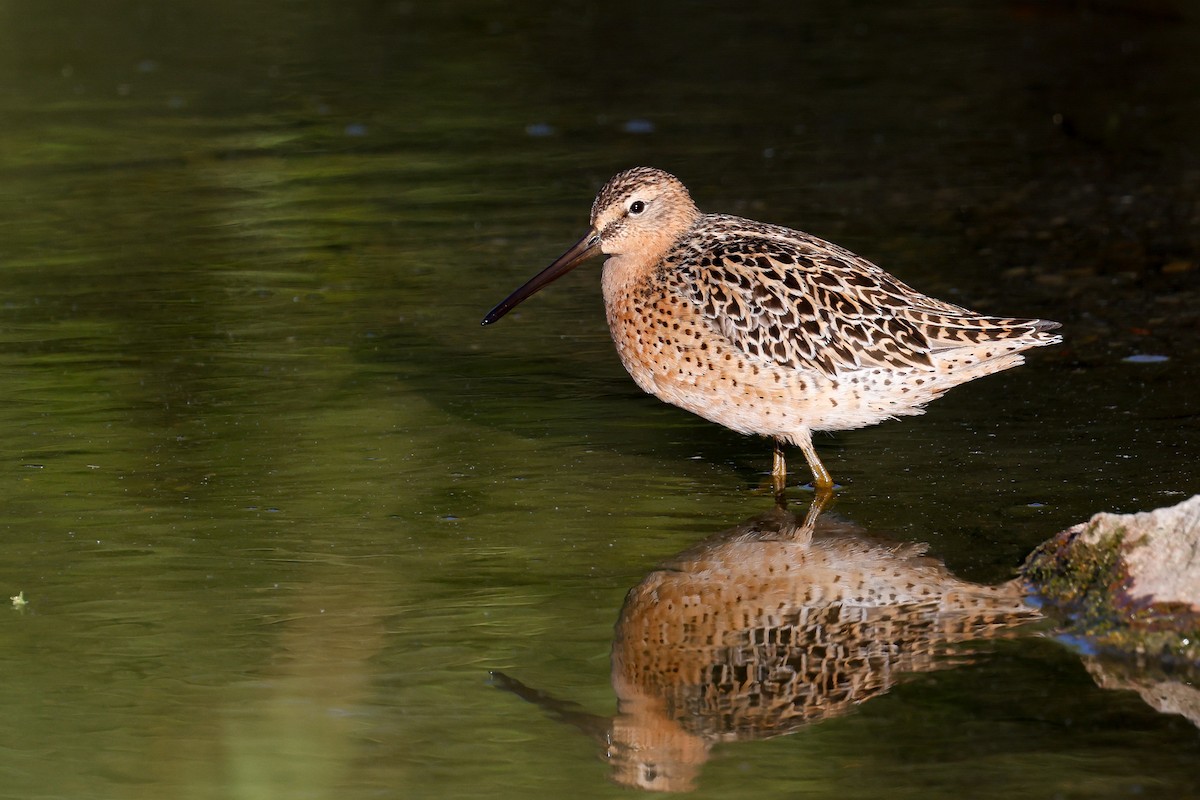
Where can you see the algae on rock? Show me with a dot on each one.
(1128, 583)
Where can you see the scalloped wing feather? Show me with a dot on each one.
(801, 302)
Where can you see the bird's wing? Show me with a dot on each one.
(801, 302)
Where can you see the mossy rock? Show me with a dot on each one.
(1128, 584)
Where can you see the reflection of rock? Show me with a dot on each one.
(755, 633)
(1129, 582)
(1169, 694)
(766, 627)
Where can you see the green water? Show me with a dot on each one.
(279, 505)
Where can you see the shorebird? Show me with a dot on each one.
(768, 330)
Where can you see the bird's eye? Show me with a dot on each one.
(637, 207)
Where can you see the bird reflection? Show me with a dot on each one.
(767, 627)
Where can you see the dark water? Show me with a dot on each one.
(279, 505)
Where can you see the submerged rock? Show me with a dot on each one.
(1129, 583)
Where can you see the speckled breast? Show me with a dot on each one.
(675, 354)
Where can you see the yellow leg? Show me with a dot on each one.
(779, 473)
(822, 482)
(822, 485)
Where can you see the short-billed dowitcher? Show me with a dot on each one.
(768, 330)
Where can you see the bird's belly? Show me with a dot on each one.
(683, 360)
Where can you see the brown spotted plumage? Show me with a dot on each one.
(768, 330)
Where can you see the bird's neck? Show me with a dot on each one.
(623, 271)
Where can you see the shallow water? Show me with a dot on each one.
(280, 507)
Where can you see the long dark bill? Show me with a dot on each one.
(581, 251)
